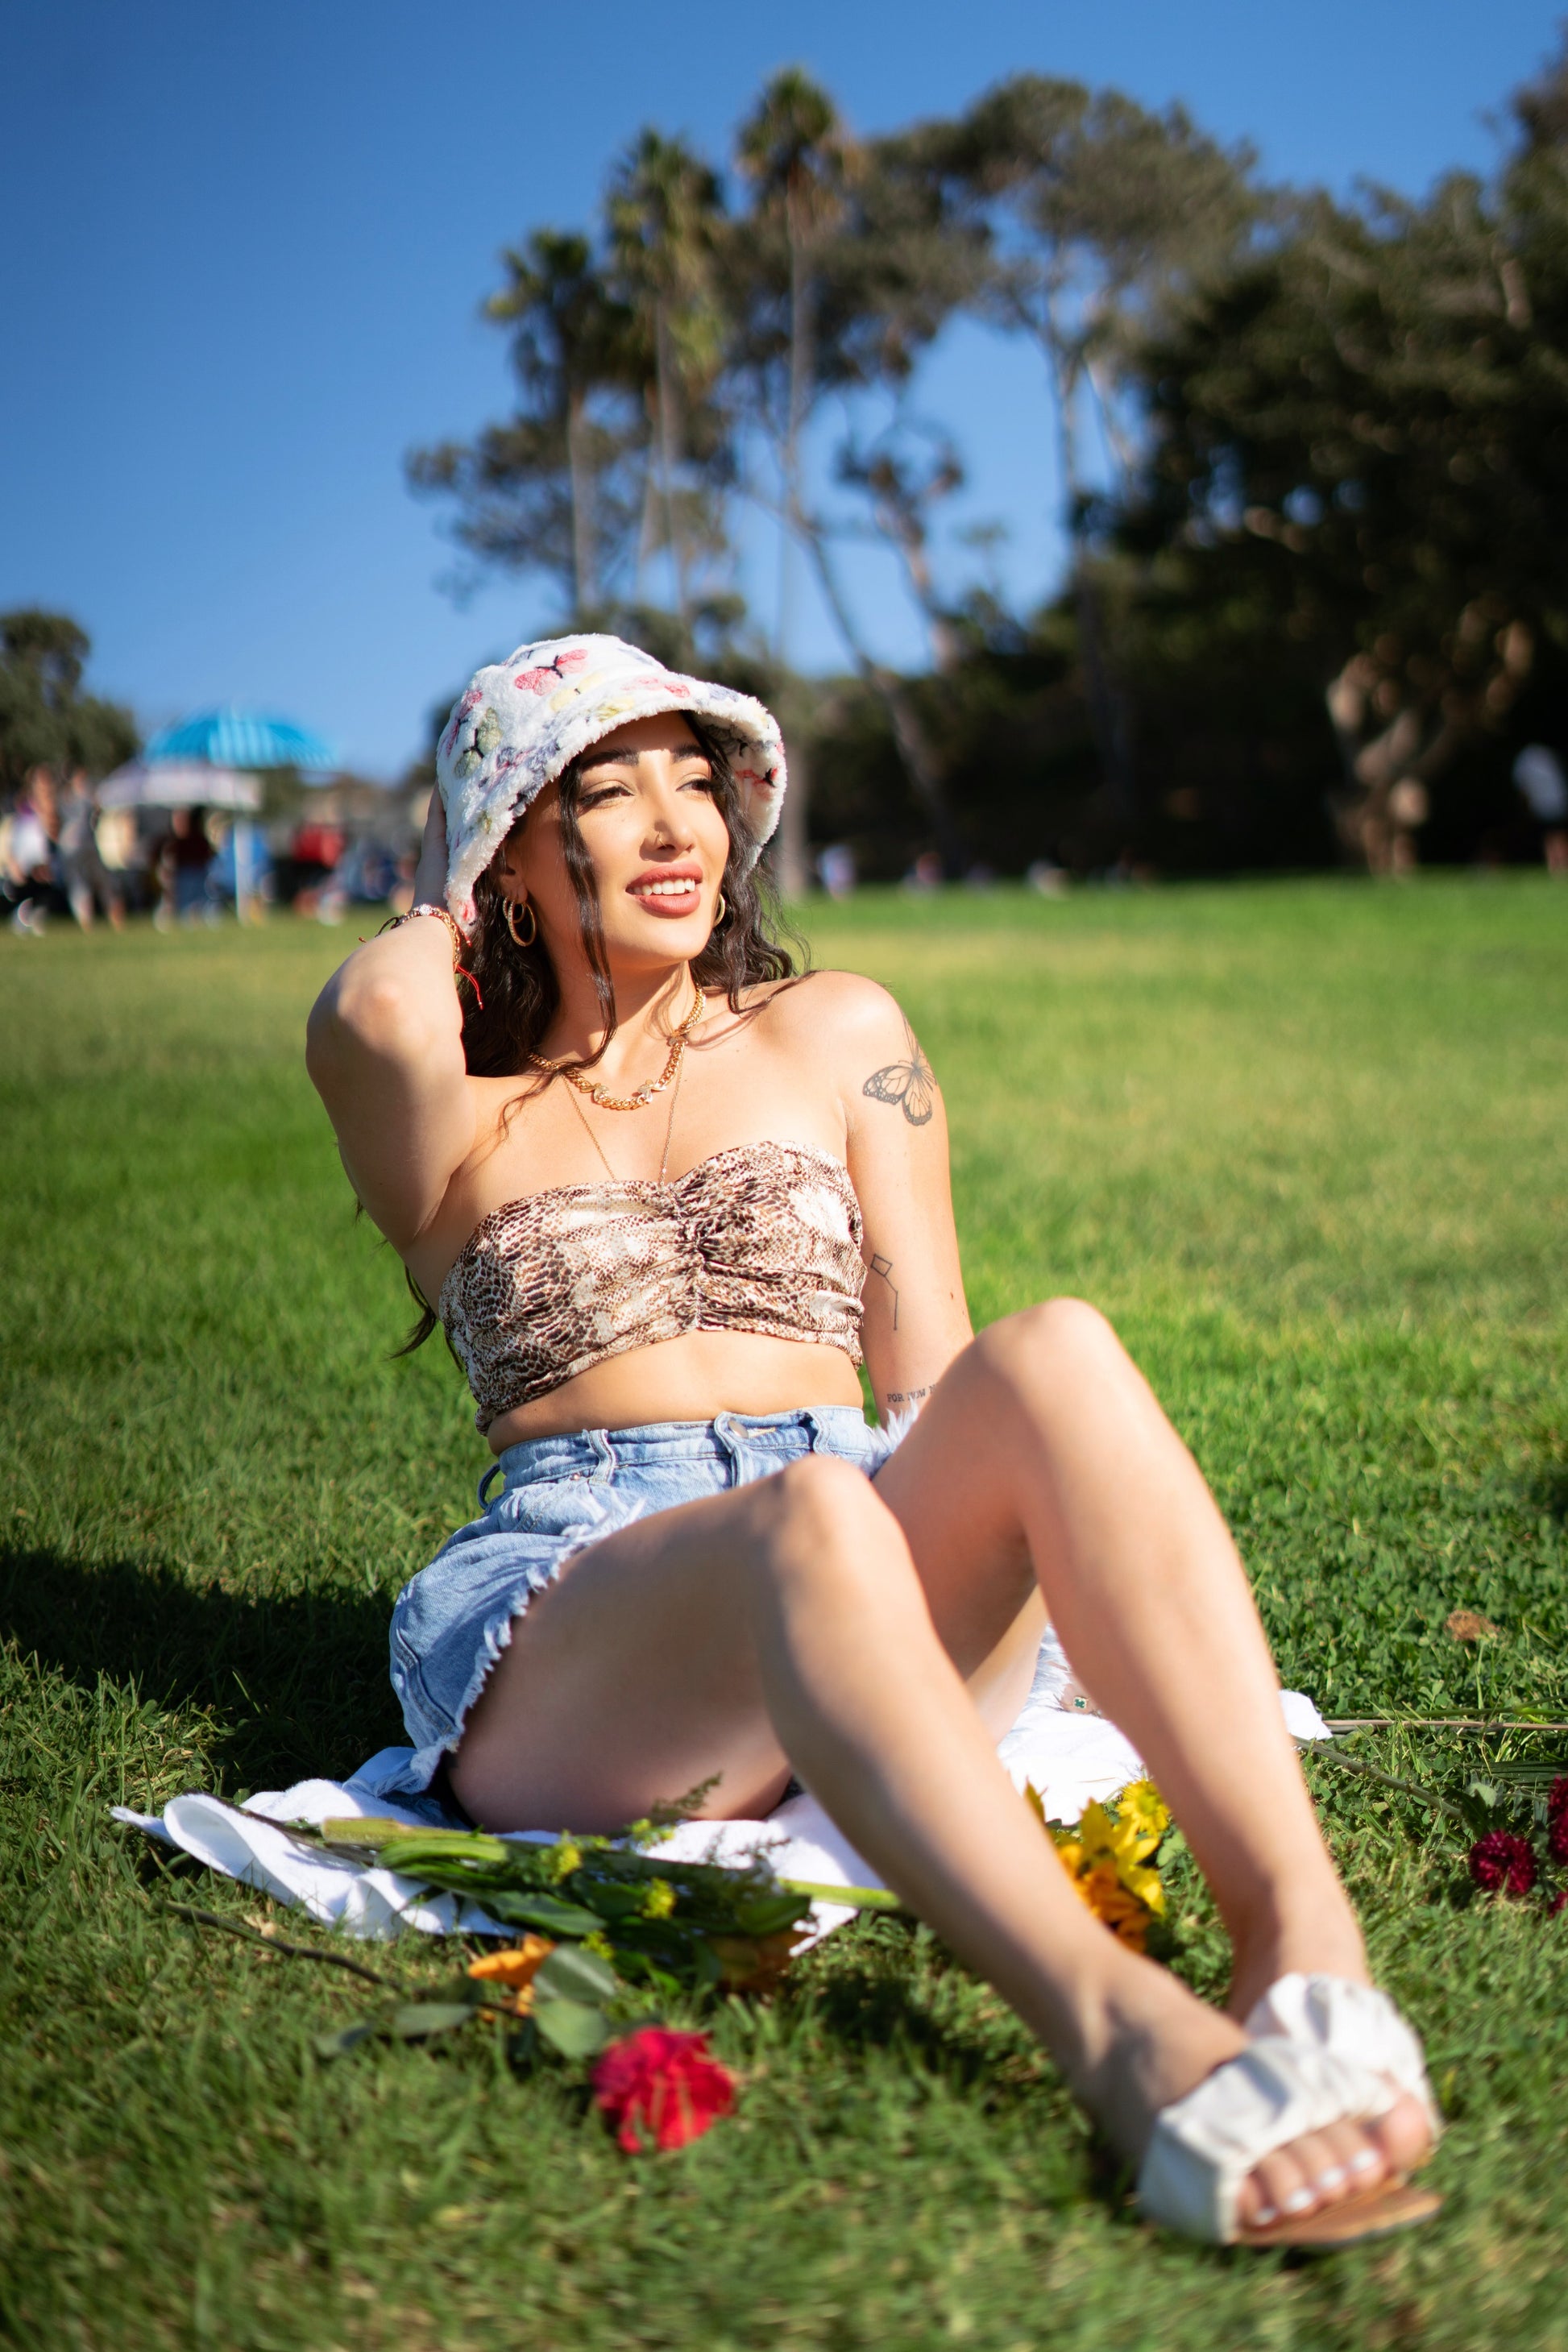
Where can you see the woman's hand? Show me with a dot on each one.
(430, 874)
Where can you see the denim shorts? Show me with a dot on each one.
(556, 1497)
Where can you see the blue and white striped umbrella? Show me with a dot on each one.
(242, 739)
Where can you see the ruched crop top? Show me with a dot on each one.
(764, 1237)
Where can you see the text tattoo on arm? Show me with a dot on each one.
(908, 1084)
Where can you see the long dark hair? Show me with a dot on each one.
(507, 1015)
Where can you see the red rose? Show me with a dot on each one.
(1502, 1859)
(1559, 1903)
(667, 2081)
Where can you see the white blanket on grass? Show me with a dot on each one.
(1069, 1758)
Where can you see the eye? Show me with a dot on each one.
(594, 795)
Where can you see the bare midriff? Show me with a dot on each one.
(694, 1377)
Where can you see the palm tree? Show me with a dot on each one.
(665, 209)
(800, 160)
(541, 491)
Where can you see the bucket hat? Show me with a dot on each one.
(523, 721)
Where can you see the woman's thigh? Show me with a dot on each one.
(631, 1681)
(635, 1678)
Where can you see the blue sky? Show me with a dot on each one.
(247, 249)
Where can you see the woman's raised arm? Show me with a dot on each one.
(385, 1049)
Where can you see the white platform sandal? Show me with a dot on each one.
(1206, 2145)
(1349, 2020)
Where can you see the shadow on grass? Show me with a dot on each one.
(1549, 1493)
(291, 1685)
(873, 1990)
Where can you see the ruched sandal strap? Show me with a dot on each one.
(1204, 2146)
(1353, 2022)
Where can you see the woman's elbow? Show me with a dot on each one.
(358, 1020)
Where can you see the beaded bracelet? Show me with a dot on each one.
(459, 969)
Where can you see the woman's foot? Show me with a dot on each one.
(1318, 1937)
(1163, 2041)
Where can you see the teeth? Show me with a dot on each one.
(665, 889)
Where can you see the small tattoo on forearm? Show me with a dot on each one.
(910, 1084)
(883, 1266)
(907, 1396)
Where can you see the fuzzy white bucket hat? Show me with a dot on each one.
(523, 721)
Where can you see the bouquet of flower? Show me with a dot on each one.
(1111, 1858)
(606, 1923)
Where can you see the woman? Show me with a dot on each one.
(648, 1173)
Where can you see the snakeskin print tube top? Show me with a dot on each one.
(764, 1237)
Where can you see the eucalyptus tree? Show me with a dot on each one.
(555, 488)
(1362, 439)
(665, 212)
(841, 270)
(1100, 218)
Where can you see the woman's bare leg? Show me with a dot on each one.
(787, 1620)
(1069, 1464)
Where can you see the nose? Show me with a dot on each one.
(669, 814)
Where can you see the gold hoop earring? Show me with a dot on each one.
(720, 912)
(521, 938)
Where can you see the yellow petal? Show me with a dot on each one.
(514, 1967)
(1096, 1828)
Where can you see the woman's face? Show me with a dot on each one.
(654, 838)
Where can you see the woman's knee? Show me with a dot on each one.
(820, 1520)
(1060, 1337)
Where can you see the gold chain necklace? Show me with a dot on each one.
(644, 1095)
(669, 1133)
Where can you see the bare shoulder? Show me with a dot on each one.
(834, 1009)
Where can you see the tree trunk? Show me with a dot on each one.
(790, 850)
(585, 586)
(664, 380)
(1106, 706)
(917, 753)
(791, 858)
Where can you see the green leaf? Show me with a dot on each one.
(547, 1913)
(571, 2027)
(572, 1974)
(338, 2045)
(418, 2020)
(770, 1915)
(853, 1898)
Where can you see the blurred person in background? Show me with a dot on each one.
(183, 859)
(314, 855)
(1538, 772)
(84, 877)
(30, 877)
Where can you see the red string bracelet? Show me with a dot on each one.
(426, 907)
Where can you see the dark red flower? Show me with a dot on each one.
(1558, 1903)
(667, 2081)
(1501, 1859)
(1557, 1835)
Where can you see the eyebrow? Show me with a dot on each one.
(631, 754)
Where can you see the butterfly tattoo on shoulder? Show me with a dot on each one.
(910, 1084)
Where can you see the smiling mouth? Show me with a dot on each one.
(667, 894)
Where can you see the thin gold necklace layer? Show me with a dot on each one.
(644, 1095)
(668, 1129)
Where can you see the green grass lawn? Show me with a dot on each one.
(1304, 1142)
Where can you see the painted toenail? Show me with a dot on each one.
(1336, 2178)
(1264, 2215)
(1300, 2201)
(1365, 2160)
